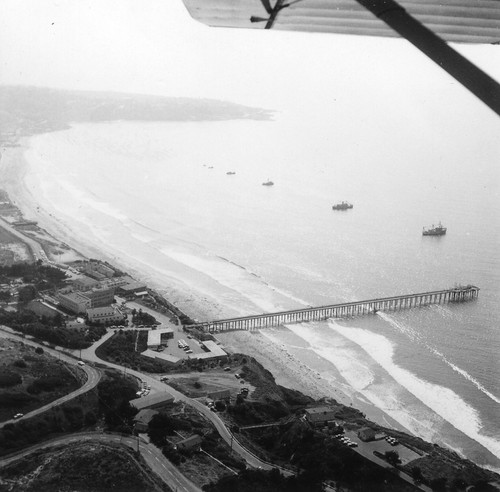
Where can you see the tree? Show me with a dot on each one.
(27, 293)
(392, 457)
(4, 295)
(416, 473)
(438, 484)
(159, 427)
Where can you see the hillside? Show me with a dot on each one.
(81, 467)
(31, 110)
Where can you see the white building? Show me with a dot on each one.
(159, 337)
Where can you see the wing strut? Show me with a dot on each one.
(478, 82)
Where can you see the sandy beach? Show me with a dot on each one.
(219, 247)
(288, 370)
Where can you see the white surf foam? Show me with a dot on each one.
(416, 337)
(362, 373)
(443, 401)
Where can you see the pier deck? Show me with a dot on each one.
(344, 310)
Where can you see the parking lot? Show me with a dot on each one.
(406, 455)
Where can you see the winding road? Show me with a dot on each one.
(93, 374)
(151, 454)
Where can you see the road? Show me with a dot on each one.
(151, 454)
(93, 374)
(35, 247)
(161, 387)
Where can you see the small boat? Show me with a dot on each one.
(230, 173)
(438, 230)
(268, 183)
(342, 206)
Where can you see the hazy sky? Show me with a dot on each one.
(155, 47)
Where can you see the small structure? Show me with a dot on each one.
(97, 269)
(319, 415)
(130, 287)
(191, 443)
(171, 359)
(143, 418)
(103, 315)
(219, 395)
(157, 400)
(159, 337)
(213, 351)
(367, 434)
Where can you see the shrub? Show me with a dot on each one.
(45, 383)
(20, 363)
(8, 379)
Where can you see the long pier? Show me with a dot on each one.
(344, 310)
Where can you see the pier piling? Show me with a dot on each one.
(344, 310)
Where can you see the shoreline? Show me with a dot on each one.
(275, 358)
(95, 228)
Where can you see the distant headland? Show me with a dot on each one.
(32, 110)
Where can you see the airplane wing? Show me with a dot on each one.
(428, 24)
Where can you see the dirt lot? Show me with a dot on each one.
(12, 249)
(197, 384)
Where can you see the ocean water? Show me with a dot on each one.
(156, 196)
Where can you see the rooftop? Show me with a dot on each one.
(154, 336)
(152, 400)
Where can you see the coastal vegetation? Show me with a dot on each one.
(47, 330)
(206, 463)
(139, 317)
(38, 275)
(86, 466)
(121, 349)
(114, 393)
(29, 379)
(106, 408)
(315, 451)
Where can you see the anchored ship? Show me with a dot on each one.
(342, 206)
(268, 183)
(438, 230)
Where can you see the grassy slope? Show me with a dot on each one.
(42, 379)
(82, 467)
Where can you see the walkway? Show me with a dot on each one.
(348, 309)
